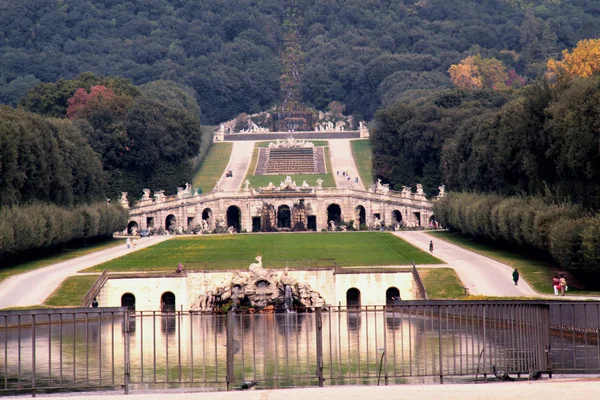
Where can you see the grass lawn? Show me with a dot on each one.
(238, 251)
(263, 180)
(536, 272)
(442, 283)
(63, 255)
(212, 167)
(72, 291)
(361, 150)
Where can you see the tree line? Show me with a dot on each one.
(365, 54)
(564, 230)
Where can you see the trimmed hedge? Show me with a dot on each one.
(562, 229)
(36, 226)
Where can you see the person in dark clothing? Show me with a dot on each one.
(516, 277)
(95, 303)
(431, 246)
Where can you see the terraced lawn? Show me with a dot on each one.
(278, 251)
(361, 150)
(212, 167)
(257, 181)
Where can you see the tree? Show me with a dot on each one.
(583, 61)
(476, 72)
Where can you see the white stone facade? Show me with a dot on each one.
(332, 286)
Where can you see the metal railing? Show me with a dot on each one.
(111, 348)
(95, 289)
(419, 282)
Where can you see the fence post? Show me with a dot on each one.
(440, 344)
(319, 335)
(126, 352)
(229, 376)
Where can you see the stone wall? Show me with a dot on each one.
(187, 288)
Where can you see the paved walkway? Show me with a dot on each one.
(538, 390)
(241, 156)
(479, 274)
(33, 288)
(343, 160)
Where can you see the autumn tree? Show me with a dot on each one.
(583, 61)
(476, 72)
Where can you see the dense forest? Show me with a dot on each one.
(364, 54)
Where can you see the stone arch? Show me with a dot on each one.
(432, 222)
(128, 300)
(234, 218)
(353, 297)
(207, 214)
(167, 302)
(131, 226)
(284, 216)
(396, 217)
(361, 216)
(334, 213)
(392, 294)
(171, 222)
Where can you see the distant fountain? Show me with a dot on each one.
(299, 217)
(258, 288)
(288, 300)
(268, 221)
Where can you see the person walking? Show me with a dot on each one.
(563, 285)
(556, 284)
(134, 244)
(516, 276)
(128, 243)
(431, 246)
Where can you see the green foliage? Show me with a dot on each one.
(364, 54)
(38, 226)
(562, 230)
(46, 160)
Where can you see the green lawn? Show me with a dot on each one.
(257, 181)
(536, 272)
(72, 291)
(361, 150)
(278, 250)
(63, 255)
(212, 167)
(442, 283)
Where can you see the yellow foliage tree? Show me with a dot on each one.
(583, 61)
(475, 72)
(465, 75)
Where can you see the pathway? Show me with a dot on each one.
(479, 274)
(241, 156)
(582, 389)
(33, 288)
(343, 160)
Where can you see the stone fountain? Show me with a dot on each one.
(258, 288)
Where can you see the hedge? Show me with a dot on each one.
(564, 230)
(37, 226)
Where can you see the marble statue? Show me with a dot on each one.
(319, 183)
(123, 199)
(246, 185)
(442, 190)
(305, 185)
(159, 196)
(146, 195)
(332, 226)
(419, 189)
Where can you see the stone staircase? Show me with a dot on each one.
(295, 160)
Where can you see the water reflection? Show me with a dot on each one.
(278, 349)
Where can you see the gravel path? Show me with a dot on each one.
(241, 155)
(343, 160)
(479, 274)
(33, 288)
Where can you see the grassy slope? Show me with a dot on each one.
(311, 179)
(361, 150)
(537, 273)
(71, 292)
(68, 254)
(442, 283)
(212, 167)
(238, 251)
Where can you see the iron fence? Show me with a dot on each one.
(114, 348)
